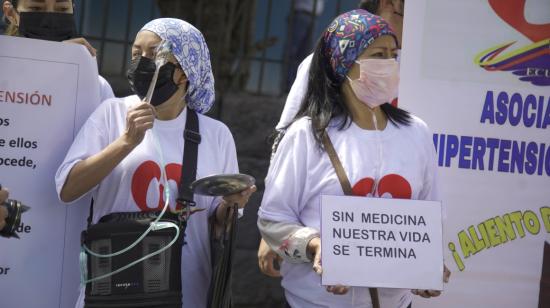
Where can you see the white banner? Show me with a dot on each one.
(379, 242)
(47, 90)
(478, 72)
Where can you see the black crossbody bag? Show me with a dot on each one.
(156, 281)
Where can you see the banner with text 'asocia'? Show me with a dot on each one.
(47, 90)
(478, 72)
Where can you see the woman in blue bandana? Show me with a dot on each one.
(346, 139)
(126, 145)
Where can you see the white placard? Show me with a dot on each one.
(379, 242)
(47, 90)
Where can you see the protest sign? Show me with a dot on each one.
(379, 242)
(47, 91)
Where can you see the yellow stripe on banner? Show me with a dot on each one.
(505, 56)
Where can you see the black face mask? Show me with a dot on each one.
(141, 73)
(47, 26)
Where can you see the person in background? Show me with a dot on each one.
(51, 20)
(3, 211)
(389, 10)
(300, 43)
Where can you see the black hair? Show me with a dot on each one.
(324, 101)
(370, 5)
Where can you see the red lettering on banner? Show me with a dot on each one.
(142, 178)
(393, 184)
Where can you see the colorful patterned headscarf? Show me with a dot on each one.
(191, 51)
(349, 35)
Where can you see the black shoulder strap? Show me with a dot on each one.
(337, 164)
(192, 138)
(91, 214)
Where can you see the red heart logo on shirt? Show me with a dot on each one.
(513, 13)
(390, 185)
(143, 176)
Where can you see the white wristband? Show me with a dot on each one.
(295, 247)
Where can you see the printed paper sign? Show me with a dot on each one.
(379, 242)
(47, 90)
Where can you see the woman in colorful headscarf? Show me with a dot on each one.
(353, 76)
(115, 156)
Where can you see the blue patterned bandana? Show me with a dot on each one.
(191, 51)
(349, 35)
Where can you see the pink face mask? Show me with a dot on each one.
(378, 81)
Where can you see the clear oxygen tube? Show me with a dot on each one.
(356, 292)
(163, 50)
(378, 161)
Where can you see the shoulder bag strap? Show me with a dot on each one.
(335, 160)
(192, 138)
(346, 187)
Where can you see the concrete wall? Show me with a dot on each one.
(252, 119)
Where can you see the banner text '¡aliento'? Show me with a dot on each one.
(496, 231)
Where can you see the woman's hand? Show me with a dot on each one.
(434, 293)
(91, 171)
(314, 250)
(82, 41)
(267, 258)
(3, 210)
(426, 293)
(139, 119)
(240, 198)
(338, 290)
(4, 194)
(446, 274)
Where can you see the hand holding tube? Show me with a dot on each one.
(3, 210)
(139, 119)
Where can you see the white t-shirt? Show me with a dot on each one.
(133, 185)
(105, 90)
(296, 94)
(300, 173)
